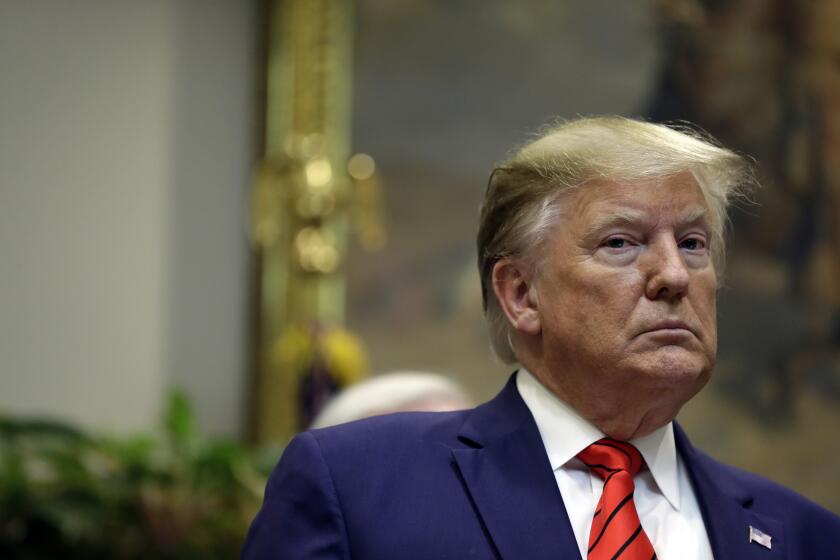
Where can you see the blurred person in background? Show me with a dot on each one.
(405, 391)
(600, 249)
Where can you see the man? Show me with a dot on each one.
(600, 248)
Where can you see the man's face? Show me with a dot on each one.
(626, 297)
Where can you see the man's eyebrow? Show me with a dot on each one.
(695, 214)
(614, 217)
(617, 217)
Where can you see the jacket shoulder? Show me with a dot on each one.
(391, 432)
(765, 496)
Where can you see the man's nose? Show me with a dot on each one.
(667, 273)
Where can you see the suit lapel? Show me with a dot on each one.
(510, 480)
(726, 510)
(528, 519)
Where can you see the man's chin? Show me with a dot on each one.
(676, 366)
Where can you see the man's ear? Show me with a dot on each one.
(516, 296)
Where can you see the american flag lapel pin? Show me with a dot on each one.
(761, 538)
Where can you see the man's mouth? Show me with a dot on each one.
(669, 326)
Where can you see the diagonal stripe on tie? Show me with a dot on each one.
(606, 524)
(629, 540)
(618, 535)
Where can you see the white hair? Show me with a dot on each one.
(393, 392)
(522, 201)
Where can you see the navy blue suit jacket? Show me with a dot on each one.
(478, 484)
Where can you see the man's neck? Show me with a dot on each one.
(610, 410)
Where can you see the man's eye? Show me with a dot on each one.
(693, 244)
(616, 243)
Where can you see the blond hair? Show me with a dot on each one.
(522, 201)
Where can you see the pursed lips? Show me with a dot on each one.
(668, 325)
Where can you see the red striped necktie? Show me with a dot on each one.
(616, 532)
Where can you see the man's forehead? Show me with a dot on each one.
(681, 199)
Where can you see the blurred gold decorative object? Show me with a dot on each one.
(322, 359)
(367, 210)
(307, 195)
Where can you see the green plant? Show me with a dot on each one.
(69, 494)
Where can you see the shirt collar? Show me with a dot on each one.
(565, 434)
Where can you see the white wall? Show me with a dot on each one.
(126, 142)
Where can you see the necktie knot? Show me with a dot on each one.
(608, 455)
(616, 530)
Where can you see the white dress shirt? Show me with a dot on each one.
(664, 496)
